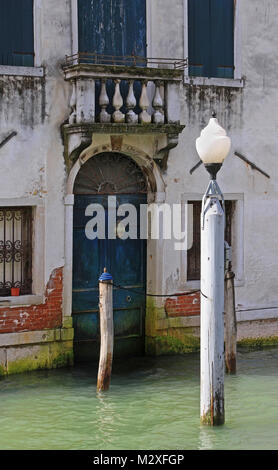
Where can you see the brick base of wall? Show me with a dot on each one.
(183, 305)
(37, 317)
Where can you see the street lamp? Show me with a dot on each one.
(213, 146)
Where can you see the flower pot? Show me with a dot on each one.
(15, 291)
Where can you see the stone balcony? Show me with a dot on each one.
(128, 98)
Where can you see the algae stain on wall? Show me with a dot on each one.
(170, 340)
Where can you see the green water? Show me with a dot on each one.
(152, 404)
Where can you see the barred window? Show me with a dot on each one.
(15, 250)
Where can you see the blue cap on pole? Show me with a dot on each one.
(105, 276)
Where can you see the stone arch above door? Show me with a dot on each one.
(110, 173)
(155, 182)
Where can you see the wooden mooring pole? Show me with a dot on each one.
(230, 323)
(106, 331)
(212, 307)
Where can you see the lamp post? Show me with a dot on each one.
(213, 146)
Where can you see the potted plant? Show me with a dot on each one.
(15, 291)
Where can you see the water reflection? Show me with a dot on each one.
(106, 420)
(205, 439)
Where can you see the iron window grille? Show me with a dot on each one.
(15, 250)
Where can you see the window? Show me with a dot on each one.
(193, 255)
(211, 38)
(16, 33)
(15, 249)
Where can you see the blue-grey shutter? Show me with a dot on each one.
(222, 38)
(112, 27)
(16, 33)
(211, 38)
(198, 37)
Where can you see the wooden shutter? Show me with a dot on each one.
(211, 38)
(193, 255)
(222, 38)
(198, 37)
(112, 27)
(16, 33)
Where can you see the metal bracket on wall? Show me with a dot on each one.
(255, 167)
(237, 154)
(7, 138)
(195, 167)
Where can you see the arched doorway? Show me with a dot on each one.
(104, 176)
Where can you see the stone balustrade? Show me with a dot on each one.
(117, 94)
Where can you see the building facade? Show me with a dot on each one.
(106, 98)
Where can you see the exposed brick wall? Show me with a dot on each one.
(36, 317)
(183, 305)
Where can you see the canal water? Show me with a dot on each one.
(153, 403)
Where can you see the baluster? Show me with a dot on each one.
(131, 116)
(158, 115)
(72, 117)
(172, 102)
(85, 100)
(118, 116)
(79, 100)
(104, 102)
(144, 116)
(89, 100)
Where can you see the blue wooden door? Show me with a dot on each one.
(112, 27)
(124, 259)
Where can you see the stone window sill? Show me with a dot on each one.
(21, 71)
(205, 81)
(197, 284)
(21, 300)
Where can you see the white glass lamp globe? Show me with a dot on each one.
(213, 145)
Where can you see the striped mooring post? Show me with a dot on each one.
(106, 331)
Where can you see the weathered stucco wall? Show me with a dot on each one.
(249, 115)
(33, 173)
(33, 166)
(35, 108)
